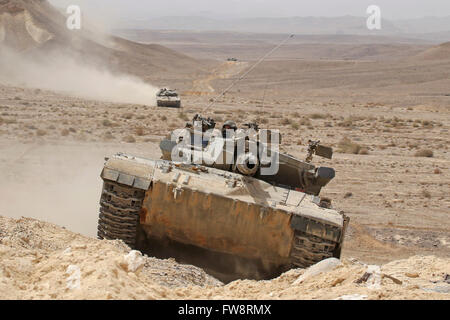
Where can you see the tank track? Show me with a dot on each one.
(119, 213)
(169, 104)
(308, 250)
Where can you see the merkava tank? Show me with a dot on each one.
(168, 98)
(237, 219)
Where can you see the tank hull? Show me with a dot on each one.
(168, 103)
(216, 212)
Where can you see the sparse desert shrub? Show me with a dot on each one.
(425, 153)
(127, 115)
(184, 117)
(163, 118)
(426, 194)
(8, 121)
(129, 139)
(347, 146)
(65, 132)
(140, 131)
(73, 130)
(364, 151)
(285, 121)
(30, 127)
(215, 112)
(319, 116)
(108, 136)
(107, 123)
(427, 123)
(305, 122)
(41, 133)
(295, 126)
(437, 171)
(397, 124)
(276, 116)
(347, 123)
(263, 120)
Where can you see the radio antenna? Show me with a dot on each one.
(245, 74)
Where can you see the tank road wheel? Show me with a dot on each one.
(119, 213)
(308, 250)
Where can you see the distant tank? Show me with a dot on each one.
(229, 219)
(232, 59)
(168, 98)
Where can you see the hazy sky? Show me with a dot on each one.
(141, 9)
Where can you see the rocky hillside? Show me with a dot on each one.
(34, 26)
(440, 52)
(39, 260)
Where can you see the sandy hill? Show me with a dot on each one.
(441, 52)
(427, 28)
(28, 24)
(298, 25)
(34, 26)
(42, 261)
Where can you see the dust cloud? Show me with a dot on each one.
(60, 72)
(58, 183)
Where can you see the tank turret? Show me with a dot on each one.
(168, 98)
(250, 151)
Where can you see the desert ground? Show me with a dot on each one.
(383, 105)
(44, 261)
(391, 156)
